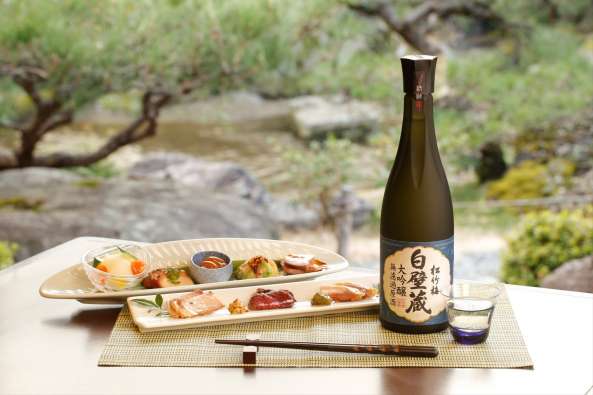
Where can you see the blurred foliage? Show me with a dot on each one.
(103, 169)
(282, 48)
(543, 241)
(318, 174)
(7, 253)
(530, 180)
(219, 45)
(550, 79)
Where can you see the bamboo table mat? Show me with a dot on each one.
(126, 346)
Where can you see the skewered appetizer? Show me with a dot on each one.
(164, 278)
(257, 267)
(299, 264)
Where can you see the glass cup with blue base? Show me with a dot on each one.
(470, 309)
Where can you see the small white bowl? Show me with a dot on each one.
(204, 275)
(104, 281)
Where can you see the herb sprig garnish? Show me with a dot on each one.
(154, 305)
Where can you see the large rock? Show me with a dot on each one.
(146, 210)
(575, 275)
(209, 176)
(316, 117)
(233, 180)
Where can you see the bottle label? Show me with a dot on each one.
(414, 276)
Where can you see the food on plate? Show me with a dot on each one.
(212, 262)
(120, 263)
(369, 292)
(168, 277)
(320, 299)
(236, 307)
(257, 267)
(300, 263)
(348, 292)
(267, 299)
(194, 304)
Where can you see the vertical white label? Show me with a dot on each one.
(413, 281)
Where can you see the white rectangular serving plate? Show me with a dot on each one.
(147, 319)
(72, 283)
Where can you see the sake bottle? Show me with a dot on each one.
(416, 216)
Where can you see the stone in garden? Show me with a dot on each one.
(232, 179)
(146, 210)
(316, 117)
(219, 177)
(575, 275)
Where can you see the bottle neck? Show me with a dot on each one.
(418, 108)
(417, 142)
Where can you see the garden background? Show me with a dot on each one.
(176, 119)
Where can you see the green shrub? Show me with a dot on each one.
(319, 172)
(7, 251)
(543, 241)
(530, 179)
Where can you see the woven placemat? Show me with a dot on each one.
(126, 346)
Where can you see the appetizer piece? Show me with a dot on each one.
(256, 267)
(212, 262)
(236, 307)
(369, 292)
(169, 277)
(299, 264)
(194, 304)
(119, 263)
(266, 299)
(320, 299)
(347, 292)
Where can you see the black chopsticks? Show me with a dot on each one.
(385, 349)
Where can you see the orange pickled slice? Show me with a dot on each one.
(102, 267)
(137, 267)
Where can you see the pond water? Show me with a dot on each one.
(259, 150)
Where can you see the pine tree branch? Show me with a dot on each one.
(142, 127)
(411, 27)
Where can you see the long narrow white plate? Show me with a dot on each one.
(72, 283)
(148, 319)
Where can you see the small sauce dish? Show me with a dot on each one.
(204, 270)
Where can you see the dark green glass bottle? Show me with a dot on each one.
(417, 215)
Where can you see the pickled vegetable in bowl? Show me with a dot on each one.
(115, 268)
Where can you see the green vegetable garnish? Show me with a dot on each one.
(321, 300)
(96, 262)
(173, 275)
(124, 252)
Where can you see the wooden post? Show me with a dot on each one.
(343, 218)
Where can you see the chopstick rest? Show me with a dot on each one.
(384, 349)
(249, 351)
